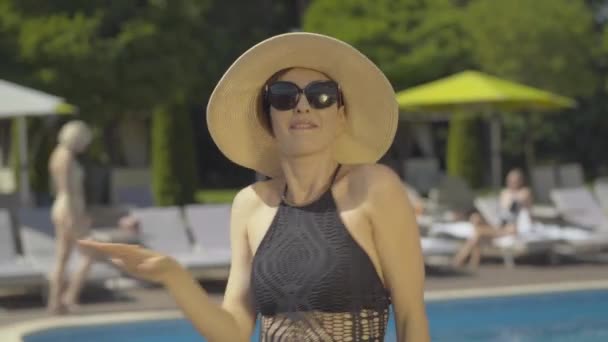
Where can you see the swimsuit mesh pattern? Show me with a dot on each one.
(313, 282)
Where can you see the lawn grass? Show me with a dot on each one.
(217, 196)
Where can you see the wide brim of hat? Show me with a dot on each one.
(234, 107)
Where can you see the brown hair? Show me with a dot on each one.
(264, 112)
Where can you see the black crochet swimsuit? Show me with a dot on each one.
(313, 282)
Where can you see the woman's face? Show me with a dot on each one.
(515, 180)
(83, 140)
(82, 147)
(305, 130)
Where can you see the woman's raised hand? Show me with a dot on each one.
(136, 260)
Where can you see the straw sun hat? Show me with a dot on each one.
(234, 109)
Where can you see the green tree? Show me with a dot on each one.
(112, 60)
(544, 43)
(123, 59)
(464, 149)
(554, 45)
(412, 41)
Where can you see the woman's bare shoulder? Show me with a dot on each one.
(60, 158)
(526, 190)
(257, 194)
(373, 175)
(367, 183)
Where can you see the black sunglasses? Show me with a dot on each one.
(284, 95)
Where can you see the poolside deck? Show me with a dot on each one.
(23, 308)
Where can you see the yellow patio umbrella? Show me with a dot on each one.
(475, 90)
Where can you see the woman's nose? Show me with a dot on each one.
(302, 106)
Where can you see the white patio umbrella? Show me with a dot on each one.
(19, 102)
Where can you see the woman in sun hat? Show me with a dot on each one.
(322, 248)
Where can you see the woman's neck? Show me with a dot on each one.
(307, 177)
(67, 149)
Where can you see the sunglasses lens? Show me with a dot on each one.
(322, 94)
(283, 95)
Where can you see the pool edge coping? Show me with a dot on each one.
(16, 332)
(514, 290)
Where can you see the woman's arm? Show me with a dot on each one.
(504, 199)
(209, 319)
(60, 169)
(397, 241)
(526, 198)
(233, 321)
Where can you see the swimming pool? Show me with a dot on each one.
(580, 316)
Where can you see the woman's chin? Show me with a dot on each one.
(302, 151)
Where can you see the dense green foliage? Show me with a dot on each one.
(129, 59)
(558, 45)
(126, 59)
(174, 176)
(412, 41)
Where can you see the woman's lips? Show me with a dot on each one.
(302, 125)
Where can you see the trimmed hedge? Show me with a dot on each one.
(173, 160)
(464, 149)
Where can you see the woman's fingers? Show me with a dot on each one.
(134, 259)
(147, 266)
(118, 262)
(128, 252)
(97, 245)
(122, 254)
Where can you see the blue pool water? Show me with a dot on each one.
(580, 316)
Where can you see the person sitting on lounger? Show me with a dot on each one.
(513, 199)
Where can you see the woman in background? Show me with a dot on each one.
(68, 214)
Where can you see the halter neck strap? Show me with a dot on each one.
(333, 179)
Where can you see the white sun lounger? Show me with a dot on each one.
(15, 271)
(578, 207)
(38, 240)
(571, 175)
(600, 189)
(210, 226)
(544, 178)
(526, 242)
(567, 240)
(563, 240)
(433, 246)
(163, 229)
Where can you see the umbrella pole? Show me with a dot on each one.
(24, 185)
(529, 155)
(495, 150)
